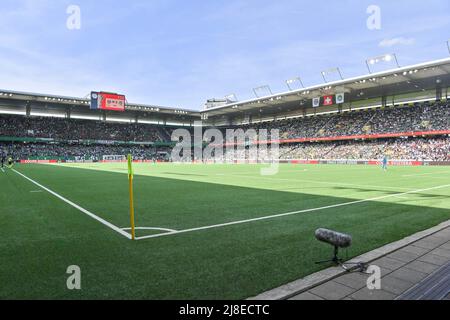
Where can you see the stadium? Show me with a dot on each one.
(411, 126)
(224, 203)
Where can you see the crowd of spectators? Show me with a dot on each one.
(420, 149)
(65, 151)
(414, 149)
(420, 117)
(71, 129)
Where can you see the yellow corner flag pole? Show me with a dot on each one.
(130, 184)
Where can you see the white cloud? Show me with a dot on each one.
(397, 41)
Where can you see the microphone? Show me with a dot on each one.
(339, 240)
(336, 239)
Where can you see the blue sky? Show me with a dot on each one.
(179, 53)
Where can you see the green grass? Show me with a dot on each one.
(42, 235)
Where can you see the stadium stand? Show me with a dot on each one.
(420, 117)
(418, 149)
(57, 128)
(80, 152)
(430, 117)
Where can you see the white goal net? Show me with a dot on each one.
(114, 158)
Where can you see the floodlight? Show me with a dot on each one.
(231, 98)
(331, 71)
(294, 84)
(379, 59)
(262, 91)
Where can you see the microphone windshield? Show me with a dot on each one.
(334, 238)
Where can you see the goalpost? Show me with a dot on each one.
(114, 158)
(130, 187)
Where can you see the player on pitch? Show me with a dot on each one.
(385, 163)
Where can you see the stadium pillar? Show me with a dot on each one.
(384, 101)
(438, 90)
(28, 108)
(349, 101)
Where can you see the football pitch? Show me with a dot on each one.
(204, 231)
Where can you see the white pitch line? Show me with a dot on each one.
(430, 178)
(90, 214)
(291, 213)
(150, 228)
(400, 197)
(338, 184)
(424, 174)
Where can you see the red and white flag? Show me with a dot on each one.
(327, 100)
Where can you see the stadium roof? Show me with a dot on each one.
(402, 80)
(76, 101)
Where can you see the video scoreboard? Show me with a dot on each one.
(107, 101)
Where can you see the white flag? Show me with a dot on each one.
(340, 98)
(316, 102)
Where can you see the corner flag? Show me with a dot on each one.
(130, 165)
